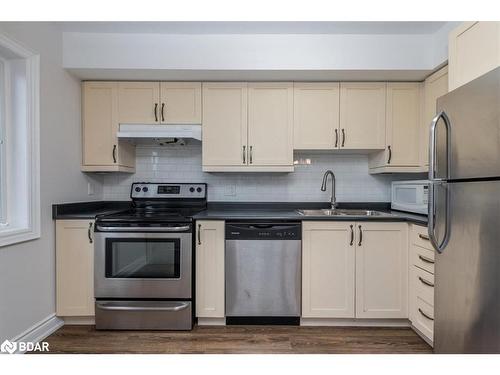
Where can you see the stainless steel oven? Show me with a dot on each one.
(139, 264)
(144, 257)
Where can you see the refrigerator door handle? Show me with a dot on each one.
(432, 146)
(439, 246)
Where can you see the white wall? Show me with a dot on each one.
(27, 270)
(183, 164)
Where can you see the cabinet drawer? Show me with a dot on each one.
(424, 318)
(422, 258)
(420, 237)
(424, 285)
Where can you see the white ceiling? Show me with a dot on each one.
(400, 28)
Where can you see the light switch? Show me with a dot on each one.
(90, 188)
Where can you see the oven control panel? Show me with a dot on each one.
(151, 190)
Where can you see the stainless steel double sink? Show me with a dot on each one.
(343, 212)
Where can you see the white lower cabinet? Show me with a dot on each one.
(210, 269)
(381, 270)
(354, 270)
(421, 288)
(327, 270)
(74, 268)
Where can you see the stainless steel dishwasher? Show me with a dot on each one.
(263, 272)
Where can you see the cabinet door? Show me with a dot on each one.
(362, 115)
(180, 102)
(101, 150)
(316, 116)
(138, 102)
(74, 268)
(99, 116)
(435, 86)
(403, 124)
(270, 124)
(210, 269)
(381, 270)
(328, 254)
(224, 124)
(473, 49)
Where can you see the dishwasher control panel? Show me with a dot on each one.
(263, 231)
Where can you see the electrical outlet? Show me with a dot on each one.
(90, 188)
(230, 190)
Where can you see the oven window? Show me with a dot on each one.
(138, 258)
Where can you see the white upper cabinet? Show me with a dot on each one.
(270, 124)
(138, 102)
(316, 116)
(473, 49)
(403, 108)
(362, 116)
(435, 86)
(159, 102)
(225, 119)
(101, 149)
(180, 102)
(247, 127)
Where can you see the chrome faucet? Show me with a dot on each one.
(333, 199)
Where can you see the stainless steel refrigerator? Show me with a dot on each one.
(464, 217)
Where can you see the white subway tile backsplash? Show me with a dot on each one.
(183, 164)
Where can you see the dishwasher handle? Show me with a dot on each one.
(263, 225)
(264, 231)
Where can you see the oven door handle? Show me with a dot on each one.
(178, 307)
(144, 229)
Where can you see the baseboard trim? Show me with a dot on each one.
(79, 320)
(39, 331)
(346, 322)
(424, 337)
(211, 321)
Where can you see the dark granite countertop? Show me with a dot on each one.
(87, 210)
(243, 211)
(288, 211)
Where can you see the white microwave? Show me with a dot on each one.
(410, 196)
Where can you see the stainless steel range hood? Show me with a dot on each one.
(155, 132)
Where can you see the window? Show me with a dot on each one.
(3, 200)
(19, 143)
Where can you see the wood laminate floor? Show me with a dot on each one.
(239, 339)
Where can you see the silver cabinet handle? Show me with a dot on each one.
(179, 307)
(251, 154)
(89, 232)
(336, 138)
(425, 282)
(114, 154)
(432, 145)
(156, 112)
(244, 154)
(360, 235)
(390, 155)
(352, 235)
(425, 259)
(424, 314)
(423, 236)
(199, 234)
(343, 137)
